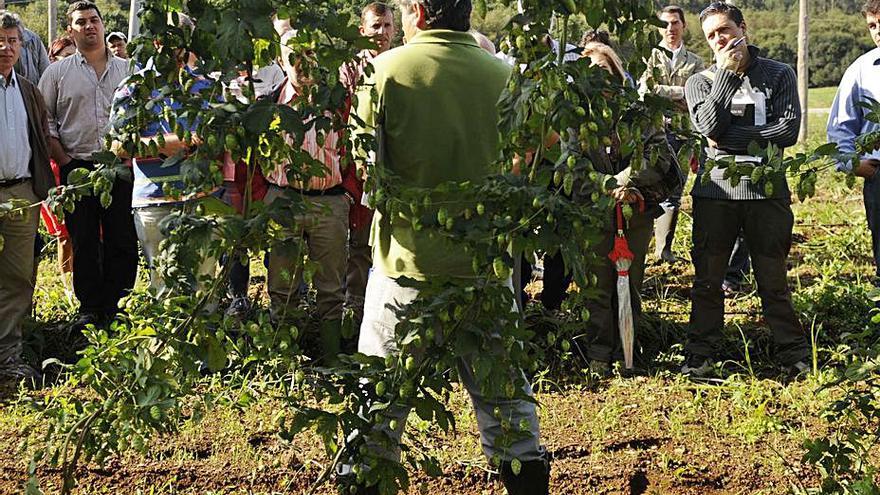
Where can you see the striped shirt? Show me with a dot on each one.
(709, 99)
(156, 177)
(78, 102)
(328, 154)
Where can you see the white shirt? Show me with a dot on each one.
(676, 52)
(15, 147)
(78, 101)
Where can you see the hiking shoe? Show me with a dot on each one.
(601, 368)
(730, 289)
(666, 256)
(15, 369)
(697, 366)
(84, 320)
(238, 308)
(798, 368)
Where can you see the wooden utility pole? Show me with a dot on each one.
(803, 67)
(53, 21)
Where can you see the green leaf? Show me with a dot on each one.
(216, 355)
(258, 117)
(755, 149)
(827, 149)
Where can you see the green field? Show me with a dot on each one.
(821, 97)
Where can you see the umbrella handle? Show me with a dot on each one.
(619, 208)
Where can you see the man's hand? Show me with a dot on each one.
(867, 168)
(57, 153)
(627, 195)
(732, 56)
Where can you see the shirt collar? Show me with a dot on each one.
(875, 56)
(444, 36)
(12, 82)
(81, 59)
(671, 50)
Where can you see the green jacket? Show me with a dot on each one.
(433, 105)
(663, 79)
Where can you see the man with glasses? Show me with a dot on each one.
(743, 99)
(25, 177)
(847, 121)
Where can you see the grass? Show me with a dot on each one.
(659, 433)
(821, 97)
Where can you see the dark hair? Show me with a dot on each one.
(445, 14)
(731, 11)
(673, 9)
(9, 20)
(871, 7)
(80, 5)
(596, 36)
(58, 46)
(378, 9)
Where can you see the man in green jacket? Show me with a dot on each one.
(670, 65)
(433, 104)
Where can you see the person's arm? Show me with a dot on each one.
(366, 121)
(676, 93)
(173, 145)
(48, 87)
(648, 175)
(845, 123)
(709, 101)
(782, 131)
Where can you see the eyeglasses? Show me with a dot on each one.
(9, 41)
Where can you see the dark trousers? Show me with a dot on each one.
(603, 328)
(766, 226)
(360, 259)
(105, 250)
(739, 265)
(555, 281)
(872, 212)
(239, 277)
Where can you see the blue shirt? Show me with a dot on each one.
(151, 174)
(847, 120)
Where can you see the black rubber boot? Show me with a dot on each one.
(331, 342)
(533, 478)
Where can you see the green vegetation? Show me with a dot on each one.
(822, 97)
(176, 399)
(742, 435)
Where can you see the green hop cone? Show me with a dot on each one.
(502, 271)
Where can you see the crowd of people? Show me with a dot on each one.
(433, 102)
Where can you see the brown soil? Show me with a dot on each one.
(636, 456)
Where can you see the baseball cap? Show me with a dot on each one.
(116, 34)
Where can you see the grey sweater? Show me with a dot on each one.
(709, 102)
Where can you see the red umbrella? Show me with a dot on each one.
(623, 258)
